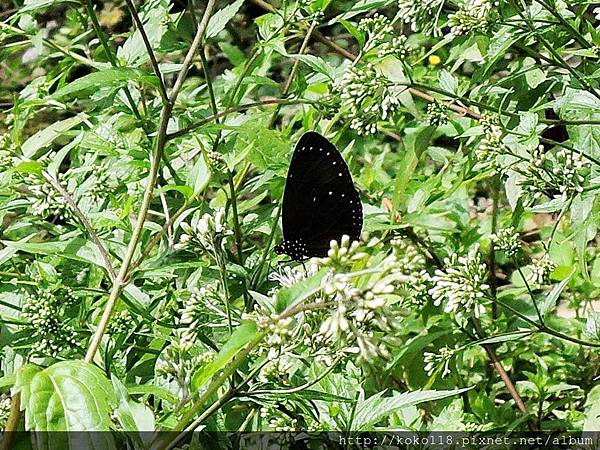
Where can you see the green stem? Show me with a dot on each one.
(159, 146)
(110, 55)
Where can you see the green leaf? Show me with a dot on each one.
(592, 326)
(358, 35)
(67, 396)
(156, 391)
(448, 82)
(581, 105)
(377, 408)
(550, 301)
(221, 17)
(199, 176)
(505, 337)
(592, 410)
(114, 77)
(32, 146)
(360, 7)
(242, 335)
(288, 296)
(37, 5)
(318, 64)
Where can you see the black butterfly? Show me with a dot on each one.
(320, 202)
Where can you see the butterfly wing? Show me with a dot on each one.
(320, 202)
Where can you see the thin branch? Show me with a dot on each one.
(161, 85)
(490, 350)
(12, 423)
(160, 141)
(294, 389)
(110, 55)
(214, 117)
(84, 221)
(290, 78)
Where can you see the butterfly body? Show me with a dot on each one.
(320, 202)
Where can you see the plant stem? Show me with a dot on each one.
(84, 221)
(12, 423)
(161, 84)
(159, 145)
(110, 55)
(495, 185)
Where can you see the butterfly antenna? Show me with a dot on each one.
(303, 266)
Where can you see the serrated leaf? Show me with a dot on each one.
(448, 82)
(584, 106)
(221, 17)
(67, 396)
(242, 335)
(377, 408)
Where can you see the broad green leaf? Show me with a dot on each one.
(377, 408)
(448, 82)
(77, 249)
(32, 146)
(114, 77)
(242, 335)
(67, 396)
(221, 17)
(155, 17)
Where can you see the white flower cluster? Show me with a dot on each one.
(473, 16)
(208, 232)
(422, 15)
(491, 144)
(540, 270)
(369, 97)
(288, 276)
(396, 47)
(343, 253)
(45, 201)
(376, 28)
(411, 263)
(559, 175)
(362, 321)
(437, 113)
(193, 312)
(507, 241)
(461, 287)
(435, 360)
(43, 312)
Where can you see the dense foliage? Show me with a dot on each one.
(143, 155)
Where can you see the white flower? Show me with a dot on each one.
(460, 286)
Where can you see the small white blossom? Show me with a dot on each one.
(460, 286)
(434, 360)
